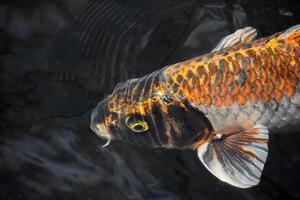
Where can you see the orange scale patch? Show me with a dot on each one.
(190, 91)
(224, 65)
(235, 67)
(286, 59)
(217, 79)
(253, 98)
(195, 93)
(201, 92)
(257, 63)
(235, 89)
(229, 78)
(212, 91)
(280, 84)
(241, 99)
(284, 71)
(262, 55)
(238, 56)
(246, 89)
(189, 74)
(292, 79)
(228, 100)
(258, 87)
(277, 95)
(222, 90)
(297, 72)
(251, 53)
(275, 60)
(267, 66)
(251, 75)
(293, 67)
(246, 64)
(184, 84)
(218, 101)
(184, 93)
(274, 75)
(194, 81)
(199, 100)
(212, 68)
(266, 98)
(269, 87)
(205, 79)
(200, 71)
(207, 100)
(290, 90)
(264, 76)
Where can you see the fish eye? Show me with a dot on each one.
(136, 125)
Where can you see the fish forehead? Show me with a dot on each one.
(259, 71)
(136, 95)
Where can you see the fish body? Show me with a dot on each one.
(256, 82)
(222, 104)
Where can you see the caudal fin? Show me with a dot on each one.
(237, 158)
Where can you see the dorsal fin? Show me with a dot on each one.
(243, 35)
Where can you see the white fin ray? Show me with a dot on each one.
(243, 35)
(238, 158)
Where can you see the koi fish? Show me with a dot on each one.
(223, 104)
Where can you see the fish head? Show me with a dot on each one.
(132, 114)
(143, 113)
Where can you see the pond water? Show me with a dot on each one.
(59, 58)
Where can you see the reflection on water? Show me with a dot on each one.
(58, 60)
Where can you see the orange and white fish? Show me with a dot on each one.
(222, 104)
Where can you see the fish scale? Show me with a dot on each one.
(246, 79)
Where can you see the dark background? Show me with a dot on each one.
(59, 58)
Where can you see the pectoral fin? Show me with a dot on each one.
(237, 158)
(243, 35)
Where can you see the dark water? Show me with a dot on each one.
(58, 58)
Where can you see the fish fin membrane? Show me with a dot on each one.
(292, 34)
(238, 158)
(244, 35)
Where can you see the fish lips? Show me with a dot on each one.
(97, 124)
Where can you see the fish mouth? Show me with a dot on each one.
(97, 123)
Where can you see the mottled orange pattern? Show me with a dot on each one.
(265, 69)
